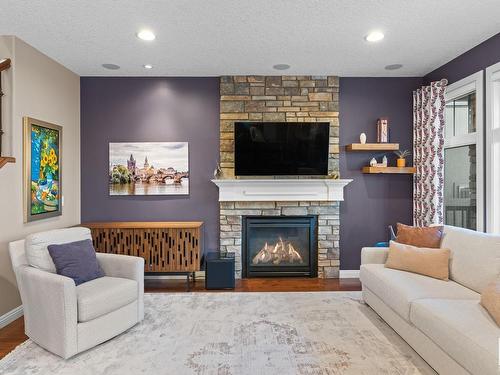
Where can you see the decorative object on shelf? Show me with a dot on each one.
(374, 163)
(401, 160)
(165, 170)
(42, 150)
(4, 65)
(383, 130)
(362, 138)
(333, 176)
(217, 171)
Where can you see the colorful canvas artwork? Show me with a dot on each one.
(42, 153)
(149, 168)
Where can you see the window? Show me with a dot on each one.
(460, 115)
(493, 148)
(463, 155)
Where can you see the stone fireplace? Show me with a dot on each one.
(304, 99)
(241, 199)
(279, 246)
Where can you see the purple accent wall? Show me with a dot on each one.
(372, 202)
(150, 109)
(472, 61)
(187, 109)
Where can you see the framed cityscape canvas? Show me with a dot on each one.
(42, 149)
(149, 168)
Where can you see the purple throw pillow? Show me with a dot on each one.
(76, 260)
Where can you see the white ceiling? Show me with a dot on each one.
(217, 37)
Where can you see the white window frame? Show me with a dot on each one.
(467, 85)
(492, 137)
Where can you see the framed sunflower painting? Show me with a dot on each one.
(42, 169)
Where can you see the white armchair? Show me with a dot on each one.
(67, 319)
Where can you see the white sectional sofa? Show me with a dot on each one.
(442, 320)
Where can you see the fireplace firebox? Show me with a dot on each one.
(279, 246)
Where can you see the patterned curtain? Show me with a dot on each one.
(428, 154)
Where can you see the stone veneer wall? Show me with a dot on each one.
(280, 99)
(328, 228)
(277, 98)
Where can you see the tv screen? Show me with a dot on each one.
(281, 148)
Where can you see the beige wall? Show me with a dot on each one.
(38, 87)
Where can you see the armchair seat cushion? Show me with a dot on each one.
(104, 295)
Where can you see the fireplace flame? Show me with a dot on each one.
(281, 252)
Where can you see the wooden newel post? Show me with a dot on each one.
(4, 65)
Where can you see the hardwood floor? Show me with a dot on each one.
(259, 285)
(13, 334)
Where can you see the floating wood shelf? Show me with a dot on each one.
(6, 159)
(389, 170)
(372, 147)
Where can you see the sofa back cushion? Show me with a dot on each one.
(422, 260)
(419, 236)
(475, 257)
(36, 245)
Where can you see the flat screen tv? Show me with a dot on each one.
(281, 148)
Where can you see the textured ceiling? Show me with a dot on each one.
(216, 37)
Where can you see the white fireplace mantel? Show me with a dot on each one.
(245, 190)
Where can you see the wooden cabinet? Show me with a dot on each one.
(165, 246)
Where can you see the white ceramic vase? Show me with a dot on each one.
(362, 138)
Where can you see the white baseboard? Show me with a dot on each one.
(349, 274)
(10, 316)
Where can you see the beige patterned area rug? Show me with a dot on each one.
(320, 333)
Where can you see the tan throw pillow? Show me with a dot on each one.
(420, 236)
(490, 299)
(425, 261)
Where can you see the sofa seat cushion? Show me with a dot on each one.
(463, 329)
(104, 295)
(398, 289)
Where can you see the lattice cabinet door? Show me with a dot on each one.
(187, 249)
(114, 241)
(169, 249)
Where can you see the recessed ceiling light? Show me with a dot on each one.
(146, 35)
(111, 66)
(148, 66)
(281, 66)
(374, 36)
(393, 67)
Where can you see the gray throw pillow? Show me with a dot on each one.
(76, 260)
